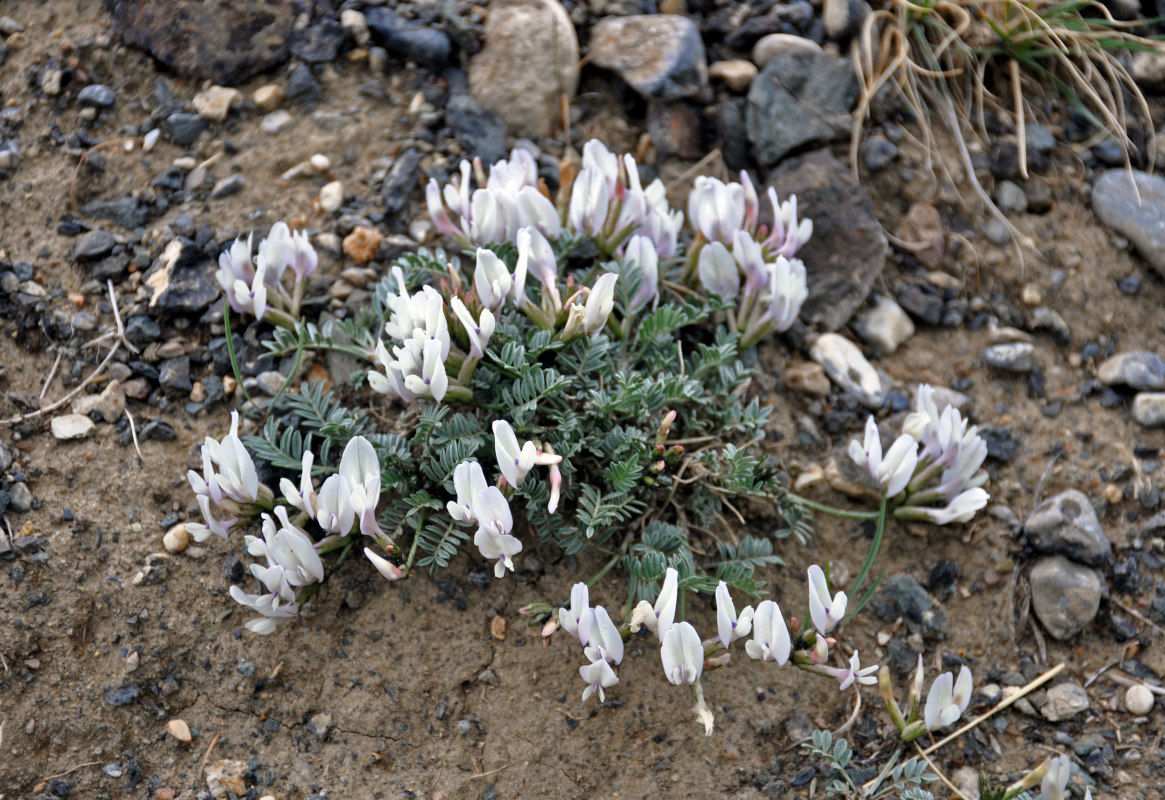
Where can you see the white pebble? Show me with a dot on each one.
(72, 426)
(176, 539)
(332, 196)
(1139, 700)
(151, 139)
(321, 162)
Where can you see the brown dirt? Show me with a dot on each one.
(424, 701)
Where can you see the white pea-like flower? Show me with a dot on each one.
(478, 331)
(598, 676)
(892, 472)
(514, 460)
(491, 279)
(228, 481)
(283, 248)
(659, 617)
(718, 271)
(730, 626)
(600, 636)
(947, 700)
(589, 202)
(716, 209)
(641, 252)
(580, 605)
(493, 537)
(349, 496)
(385, 567)
(825, 612)
(1055, 782)
(854, 673)
(303, 498)
(600, 302)
(770, 636)
(682, 654)
(469, 481)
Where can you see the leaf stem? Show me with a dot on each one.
(872, 554)
(838, 512)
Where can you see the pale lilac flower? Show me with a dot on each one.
(393, 380)
(658, 618)
(893, 472)
(600, 636)
(200, 531)
(303, 498)
(291, 556)
(641, 252)
(589, 202)
(490, 214)
(273, 608)
(514, 460)
(783, 294)
(535, 210)
(468, 481)
(729, 626)
(597, 157)
(513, 174)
(718, 271)
(682, 654)
(847, 676)
(495, 522)
(770, 636)
(492, 279)
(599, 676)
(541, 262)
(716, 209)
(228, 481)
(826, 613)
(385, 567)
(660, 223)
(1055, 782)
(600, 302)
(961, 509)
(947, 700)
(282, 249)
(478, 332)
(750, 258)
(351, 494)
(571, 618)
(787, 235)
(236, 269)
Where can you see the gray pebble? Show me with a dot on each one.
(185, 128)
(1149, 409)
(1065, 595)
(320, 724)
(1067, 525)
(142, 330)
(9, 283)
(1010, 198)
(276, 121)
(270, 382)
(94, 244)
(174, 374)
(96, 95)
(1065, 700)
(996, 232)
(19, 497)
(1012, 357)
(1140, 370)
(229, 185)
(878, 152)
(123, 696)
(1134, 208)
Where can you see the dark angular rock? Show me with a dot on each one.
(319, 43)
(185, 128)
(111, 268)
(174, 374)
(407, 40)
(800, 98)
(848, 248)
(303, 88)
(142, 330)
(128, 212)
(481, 133)
(94, 244)
(123, 696)
(920, 302)
(182, 279)
(225, 42)
(903, 596)
(400, 181)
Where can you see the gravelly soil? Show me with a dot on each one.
(424, 702)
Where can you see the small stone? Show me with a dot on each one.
(303, 89)
(1010, 198)
(1065, 595)
(232, 184)
(179, 730)
(1139, 370)
(481, 133)
(736, 73)
(996, 232)
(1139, 700)
(72, 426)
(174, 374)
(877, 153)
(841, 18)
(1065, 700)
(799, 99)
(407, 40)
(141, 330)
(269, 96)
(271, 382)
(276, 122)
(1012, 357)
(320, 724)
(362, 243)
(661, 56)
(215, 103)
(96, 95)
(50, 81)
(19, 497)
(905, 597)
(354, 22)
(530, 59)
(1031, 296)
(1134, 206)
(1149, 409)
(497, 627)
(807, 377)
(94, 244)
(772, 45)
(177, 539)
(123, 696)
(332, 196)
(923, 226)
(884, 326)
(132, 661)
(1038, 195)
(1067, 525)
(109, 404)
(9, 26)
(225, 777)
(848, 368)
(185, 128)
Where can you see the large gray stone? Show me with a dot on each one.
(661, 56)
(1067, 525)
(530, 59)
(1141, 370)
(1149, 409)
(1065, 595)
(848, 249)
(1134, 207)
(799, 98)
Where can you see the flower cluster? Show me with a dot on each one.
(487, 507)
(292, 563)
(228, 484)
(507, 201)
(934, 469)
(946, 702)
(684, 655)
(256, 285)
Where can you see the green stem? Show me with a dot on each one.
(838, 512)
(873, 552)
(461, 393)
(416, 541)
(226, 321)
(606, 568)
